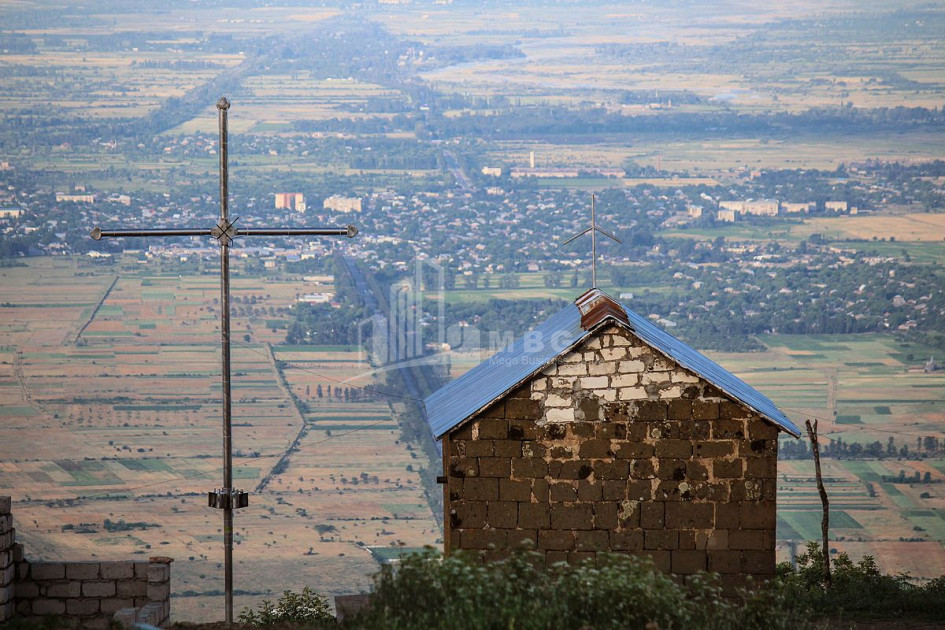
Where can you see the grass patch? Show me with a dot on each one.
(246, 472)
(890, 489)
(17, 411)
(384, 555)
(785, 531)
(849, 419)
(155, 407)
(108, 333)
(841, 519)
(145, 465)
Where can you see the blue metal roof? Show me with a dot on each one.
(460, 399)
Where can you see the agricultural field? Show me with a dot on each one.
(716, 51)
(912, 237)
(109, 410)
(862, 389)
(765, 61)
(707, 160)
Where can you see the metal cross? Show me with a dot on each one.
(593, 229)
(226, 498)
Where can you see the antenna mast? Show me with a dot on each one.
(593, 229)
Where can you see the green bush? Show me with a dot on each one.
(459, 592)
(428, 591)
(307, 609)
(858, 589)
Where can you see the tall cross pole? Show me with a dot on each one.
(593, 229)
(226, 498)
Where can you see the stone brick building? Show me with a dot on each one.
(597, 431)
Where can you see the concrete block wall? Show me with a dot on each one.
(7, 569)
(615, 448)
(87, 594)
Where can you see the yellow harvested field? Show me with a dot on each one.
(907, 227)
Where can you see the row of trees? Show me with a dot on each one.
(927, 446)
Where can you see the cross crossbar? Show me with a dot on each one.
(593, 230)
(349, 231)
(226, 498)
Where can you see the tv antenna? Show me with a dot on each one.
(593, 229)
(225, 230)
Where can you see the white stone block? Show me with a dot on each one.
(595, 382)
(559, 415)
(662, 363)
(572, 369)
(625, 380)
(562, 382)
(572, 357)
(606, 367)
(631, 366)
(671, 392)
(654, 377)
(610, 395)
(613, 354)
(632, 393)
(539, 385)
(553, 400)
(684, 377)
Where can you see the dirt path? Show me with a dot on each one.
(283, 462)
(105, 295)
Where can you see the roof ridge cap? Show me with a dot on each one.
(595, 306)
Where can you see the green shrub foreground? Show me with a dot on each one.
(428, 591)
(859, 589)
(458, 592)
(307, 607)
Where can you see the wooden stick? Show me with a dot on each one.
(825, 522)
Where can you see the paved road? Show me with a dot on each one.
(461, 178)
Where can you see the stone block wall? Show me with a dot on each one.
(7, 569)
(616, 448)
(87, 594)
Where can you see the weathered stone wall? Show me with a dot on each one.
(87, 594)
(615, 448)
(7, 570)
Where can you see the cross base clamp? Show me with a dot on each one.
(223, 498)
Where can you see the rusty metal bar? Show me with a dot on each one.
(222, 106)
